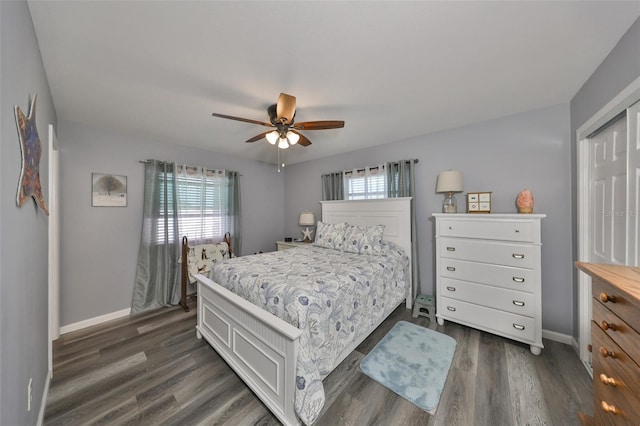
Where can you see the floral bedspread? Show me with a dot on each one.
(331, 295)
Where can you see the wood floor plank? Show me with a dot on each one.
(527, 399)
(150, 369)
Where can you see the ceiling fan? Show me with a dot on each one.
(285, 132)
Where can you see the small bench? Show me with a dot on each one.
(200, 255)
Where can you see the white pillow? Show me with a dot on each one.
(330, 235)
(363, 239)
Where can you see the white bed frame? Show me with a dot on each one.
(262, 348)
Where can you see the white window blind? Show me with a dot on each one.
(202, 202)
(366, 183)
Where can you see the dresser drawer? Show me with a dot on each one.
(488, 229)
(618, 330)
(492, 320)
(496, 275)
(617, 302)
(516, 302)
(499, 253)
(619, 368)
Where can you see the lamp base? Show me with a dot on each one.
(306, 235)
(449, 204)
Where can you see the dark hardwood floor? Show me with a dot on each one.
(150, 369)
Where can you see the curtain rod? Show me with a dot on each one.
(171, 162)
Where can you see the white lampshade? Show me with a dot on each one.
(307, 219)
(293, 137)
(449, 181)
(272, 137)
(283, 143)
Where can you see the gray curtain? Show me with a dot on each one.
(333, 186)
(157, 273)
(234, 212)
(401, 183)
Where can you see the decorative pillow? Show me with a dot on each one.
(363, 239)
(330, 235)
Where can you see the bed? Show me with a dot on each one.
(270, 354)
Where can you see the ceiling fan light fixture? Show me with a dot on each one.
(293, 137)
(272, 137)
(283, 143)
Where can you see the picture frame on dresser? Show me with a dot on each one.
(488, 274)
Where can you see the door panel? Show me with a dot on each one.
(608, 183)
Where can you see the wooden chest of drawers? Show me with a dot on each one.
(488, 274)
(615, 339)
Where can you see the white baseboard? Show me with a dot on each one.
(558, 337)
(94, 321)
(43, 402)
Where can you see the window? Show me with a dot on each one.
(201, 201)
(365, 184)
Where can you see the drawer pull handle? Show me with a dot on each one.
(518, 303)
(609, 408)
(605, 352)
(451, 308)
(517, 230)
(451, 227)
(450, 268)
(451, 288)
(607, 298)
(607, 326)
(451, 249)
(518, 256)
(518, 326)
(518, 279)
(608, 380)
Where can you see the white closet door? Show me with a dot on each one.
(633, 200)
(608, 188)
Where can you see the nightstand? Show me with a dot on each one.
(283, 245)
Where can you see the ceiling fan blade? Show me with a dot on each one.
(303, 140)
(246, 120)
(286, 107)
(258, 137)
(318, 125)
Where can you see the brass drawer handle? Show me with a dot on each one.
(607, 326)
(451, 249)
(451, 288)
(606, 352)
(608, 380)
(451, 308)
(518, 303)
(451, 268)
(518, 279)
(518, 256)
(607, 298)
(609, 408)
(518, 326)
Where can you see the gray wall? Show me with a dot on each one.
(100, 244)
(528, 150)
(23, 230)
(615, 73)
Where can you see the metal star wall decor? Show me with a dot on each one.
(29, 184)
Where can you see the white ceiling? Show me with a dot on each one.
(391, 70)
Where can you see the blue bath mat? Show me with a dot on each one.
(412, 361)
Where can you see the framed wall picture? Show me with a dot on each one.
(108, 190)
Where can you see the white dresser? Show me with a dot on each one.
(488, 274)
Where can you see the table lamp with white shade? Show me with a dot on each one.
(307, 219)
(449, 182)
